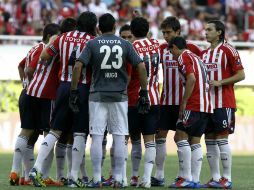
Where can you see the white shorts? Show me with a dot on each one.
(112, 115)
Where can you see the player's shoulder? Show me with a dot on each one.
(164, 45)
(193, 48)
(229, 49)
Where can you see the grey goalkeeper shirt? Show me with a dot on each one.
(108, 56)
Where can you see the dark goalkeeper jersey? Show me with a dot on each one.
(108, 56)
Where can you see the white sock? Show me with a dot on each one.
(83, 166)
(213, 157)
(196, 161)
(226, 157)
(96, 156)
(78, 150)
(60, 151)
(149, 159)
(119, 156)
(104, 151)
(184, 156)
(47, 164)
(69, 159)
(136, 155)
(112, 160)
(160, 157)
(124, 176)
(46, 146)
(20, 148)
(28, 160)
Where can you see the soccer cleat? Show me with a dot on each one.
(197, 185)
(225, 183)
(108, 182)
(92, 184)
(125, 183)
(181, 183)
(14, 178)
(21, 181)
(157, 182)
(64, 181)
(85, 180)
(212, 184)
(50, 182)
(144, 184)
(117, 185)
(134, 181)
(36, 178)
(78, 183)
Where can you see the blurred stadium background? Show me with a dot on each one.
(21, 23)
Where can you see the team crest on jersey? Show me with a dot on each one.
(237, 60)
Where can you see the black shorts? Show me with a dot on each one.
(194, 123)
(133, 123)
(168, 117)
(63, 118)
(144, 123)
(23, 102)
(222, 121)
(36, 113)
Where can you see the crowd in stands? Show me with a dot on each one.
(27, 17)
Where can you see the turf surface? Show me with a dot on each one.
(243, 176)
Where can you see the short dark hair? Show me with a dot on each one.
(50, 29)
(125, 27)
(139, 27)
(86, 22)
(178, 41)
(68, 24)
(219, 26)
(106, 23)
(171, 22)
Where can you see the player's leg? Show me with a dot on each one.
(197, 130)
(80, 129)
(27, 129)
(69, 155)
(61, 110)
(118, 127)
(83, 171)
(150, 123)
(136, 150)
(184, 151)
(98, 112)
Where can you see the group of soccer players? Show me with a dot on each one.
(110, 83)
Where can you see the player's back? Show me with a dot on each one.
(109, 63)
(149, 51)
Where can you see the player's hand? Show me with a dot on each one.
(74, 100)
(143, 102)
(214, 83)
(181, 110)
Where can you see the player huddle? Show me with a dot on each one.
(78, 84)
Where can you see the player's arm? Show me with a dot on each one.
(237, 77)
(21, 69)
(76, 75)
(142, 75)
(50, 51)
(189, 86)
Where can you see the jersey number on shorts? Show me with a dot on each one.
(117, 51)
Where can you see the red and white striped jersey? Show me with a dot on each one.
(31, 60)
(148, 50)
(69, 46)
(199, 100)
(45, 80)
(222, 62)
(172, 89)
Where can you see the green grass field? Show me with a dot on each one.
(243, 167)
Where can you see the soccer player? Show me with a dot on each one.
(148, 50)
(225, 69)
(125, 33)
(68, 46)
(108, 56)
(193, 114)
(29, 124)
(171, 96)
